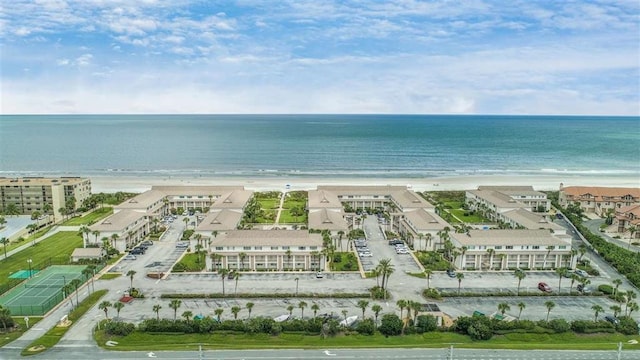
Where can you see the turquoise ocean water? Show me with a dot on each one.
(370, 146)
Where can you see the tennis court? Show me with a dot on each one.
(38, 295)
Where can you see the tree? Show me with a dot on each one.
(460, 277)
(376, 311)
(236, 276)
(521, 306)
(315, 307)
(175, 304)
(85, 231)
(427, 275)
(290, 310)
(503, 308)
(616, 310)
(632, 230)
(104, 306)
(249, 307)
(416, 307)
(520, 275)
(118, 306)
(76, 284)
(302, 305)
(574, 278)
(401, 304)
(4, 241)
(86, 272)
(156, 309)
(633, 306)
(549, 305)
(597, 309)
(362, 304)
(386, 269)
(96, 233)
(344, 314)
(223, 275)
(491, 252)
(67, 290)
(242, 256)
(617, 283)
(130, 274)
(114, 239)
(390, 325)
(187, 315)
(235, 310)
(5, 315)
(561, 272)
(218, 313)
(630, 297)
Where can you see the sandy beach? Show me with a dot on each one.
(111, 184)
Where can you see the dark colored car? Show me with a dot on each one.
(612, 319)
(451, 273)
(544, 287)
(137, 251)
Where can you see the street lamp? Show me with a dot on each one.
(29, 261)
(297, 286)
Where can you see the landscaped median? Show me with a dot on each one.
(20, 328)
(56, 333)
(267, 296)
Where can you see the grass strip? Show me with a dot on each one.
(51, 337)
(21, 328)
(110, 276)
(162, 342)
(90, 218)
(267, 296)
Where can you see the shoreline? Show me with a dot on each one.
(109, 184)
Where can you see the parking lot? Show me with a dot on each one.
(380, 249)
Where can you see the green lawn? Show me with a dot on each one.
(7, 338)
(287, 218)
(290, 203)
(432, 260)
(54, 335)
(59, 245)
(110, 276)
(142, 341)
(189, 263)
(471, 218)
(267, 204)
(91, 218)
(26, 240)
(345, 258)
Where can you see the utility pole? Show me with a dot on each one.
(450, 354)
(619, 350)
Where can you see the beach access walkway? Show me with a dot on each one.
(282, 196)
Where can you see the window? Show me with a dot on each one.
(246, 248)
(509, 247)
(302, 248)
(285, 248)
(258, 248)
(219, 248)
(274, 248)
(313, 248)
(562, 247)
(499, 247)
(535, 247)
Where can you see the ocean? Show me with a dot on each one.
(318, 146)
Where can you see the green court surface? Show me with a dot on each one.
(38, 295)
(24, 274)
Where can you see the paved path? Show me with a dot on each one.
(594, 227)
(51, 232)
(282, 196)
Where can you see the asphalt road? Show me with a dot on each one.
(295, 354)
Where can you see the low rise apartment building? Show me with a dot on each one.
(511, 249)
(628, 217)
(598, 200)
(493, 201)
(268, 250)
(45, 195)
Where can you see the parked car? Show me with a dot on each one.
(129, 257)
(612, 319)
(147, 243)
(395, 242)
(182, 244)
(137, 251)
(542, 286)
(319, 275)
(581, 272)
(584, 289)
(451, 273)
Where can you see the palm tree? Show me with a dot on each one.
(459, 276)
(633, 306)
(130, 274)
(175, 304)
(630, 297)
(597, 309)
(96, 233)
(186, 222)
(521, 306)
(427, 274)
(549, 248)
(242, 256)
(344, 313)
(236, 276)
(290, 310)
(617, 283)
(416, 307)
(401, 304)
(104, 306)
(302, 305)
(187, 315)
(574, 278)
(376, 311)
(561, 272)
(491, 252)
(114, 239)
(85, 231)
(386, 269)
(549, 305)
(218, 313)
(249, 307)
(632, 230)
(4, 241)
(235, 310)
(156, 309)
(4, 313)
(67, 290)
(503, 308)
(86, 272)
(76, 284)
(315, 307)
(362, 304)
(616, 310)
(520, 275)
(118, 306)
(223, 275)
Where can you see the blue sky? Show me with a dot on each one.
(404, 56)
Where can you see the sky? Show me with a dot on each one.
(317, 56)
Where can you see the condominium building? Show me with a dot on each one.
(598, 200)
(264, 250)
(511, 249)
(46, 195)
(494, 201)
(626, 217)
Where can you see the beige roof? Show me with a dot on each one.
(4, 181)
(325, 219)
(235, 199)
(498, 199)
(142, 201)
(531, 220)
(542, 238)
(409, 199)
(196, 190)
(87, 253)
(220, 220)
(405, 198)
(323, 199)
(600, 193)
(424, 220)
(268, 238)
(513, 190)
(118, 221)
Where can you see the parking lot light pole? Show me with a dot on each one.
(29, 261)
(297, 286)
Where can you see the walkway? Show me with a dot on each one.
(594, 227)
(282, 196)
(51, 232)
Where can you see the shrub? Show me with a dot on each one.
(432, 294)
(589, 327)
(628, 326)
(426, 323)
(378, 293)
(390, 325)
(605, 289)
(480, 328)
(559, 325)
(366, 327)
(119, 328)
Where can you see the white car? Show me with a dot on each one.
(581, 272)
(368, 254)
(129, 257)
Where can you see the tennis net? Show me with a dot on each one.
(39, 286)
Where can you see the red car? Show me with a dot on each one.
(544, 287)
